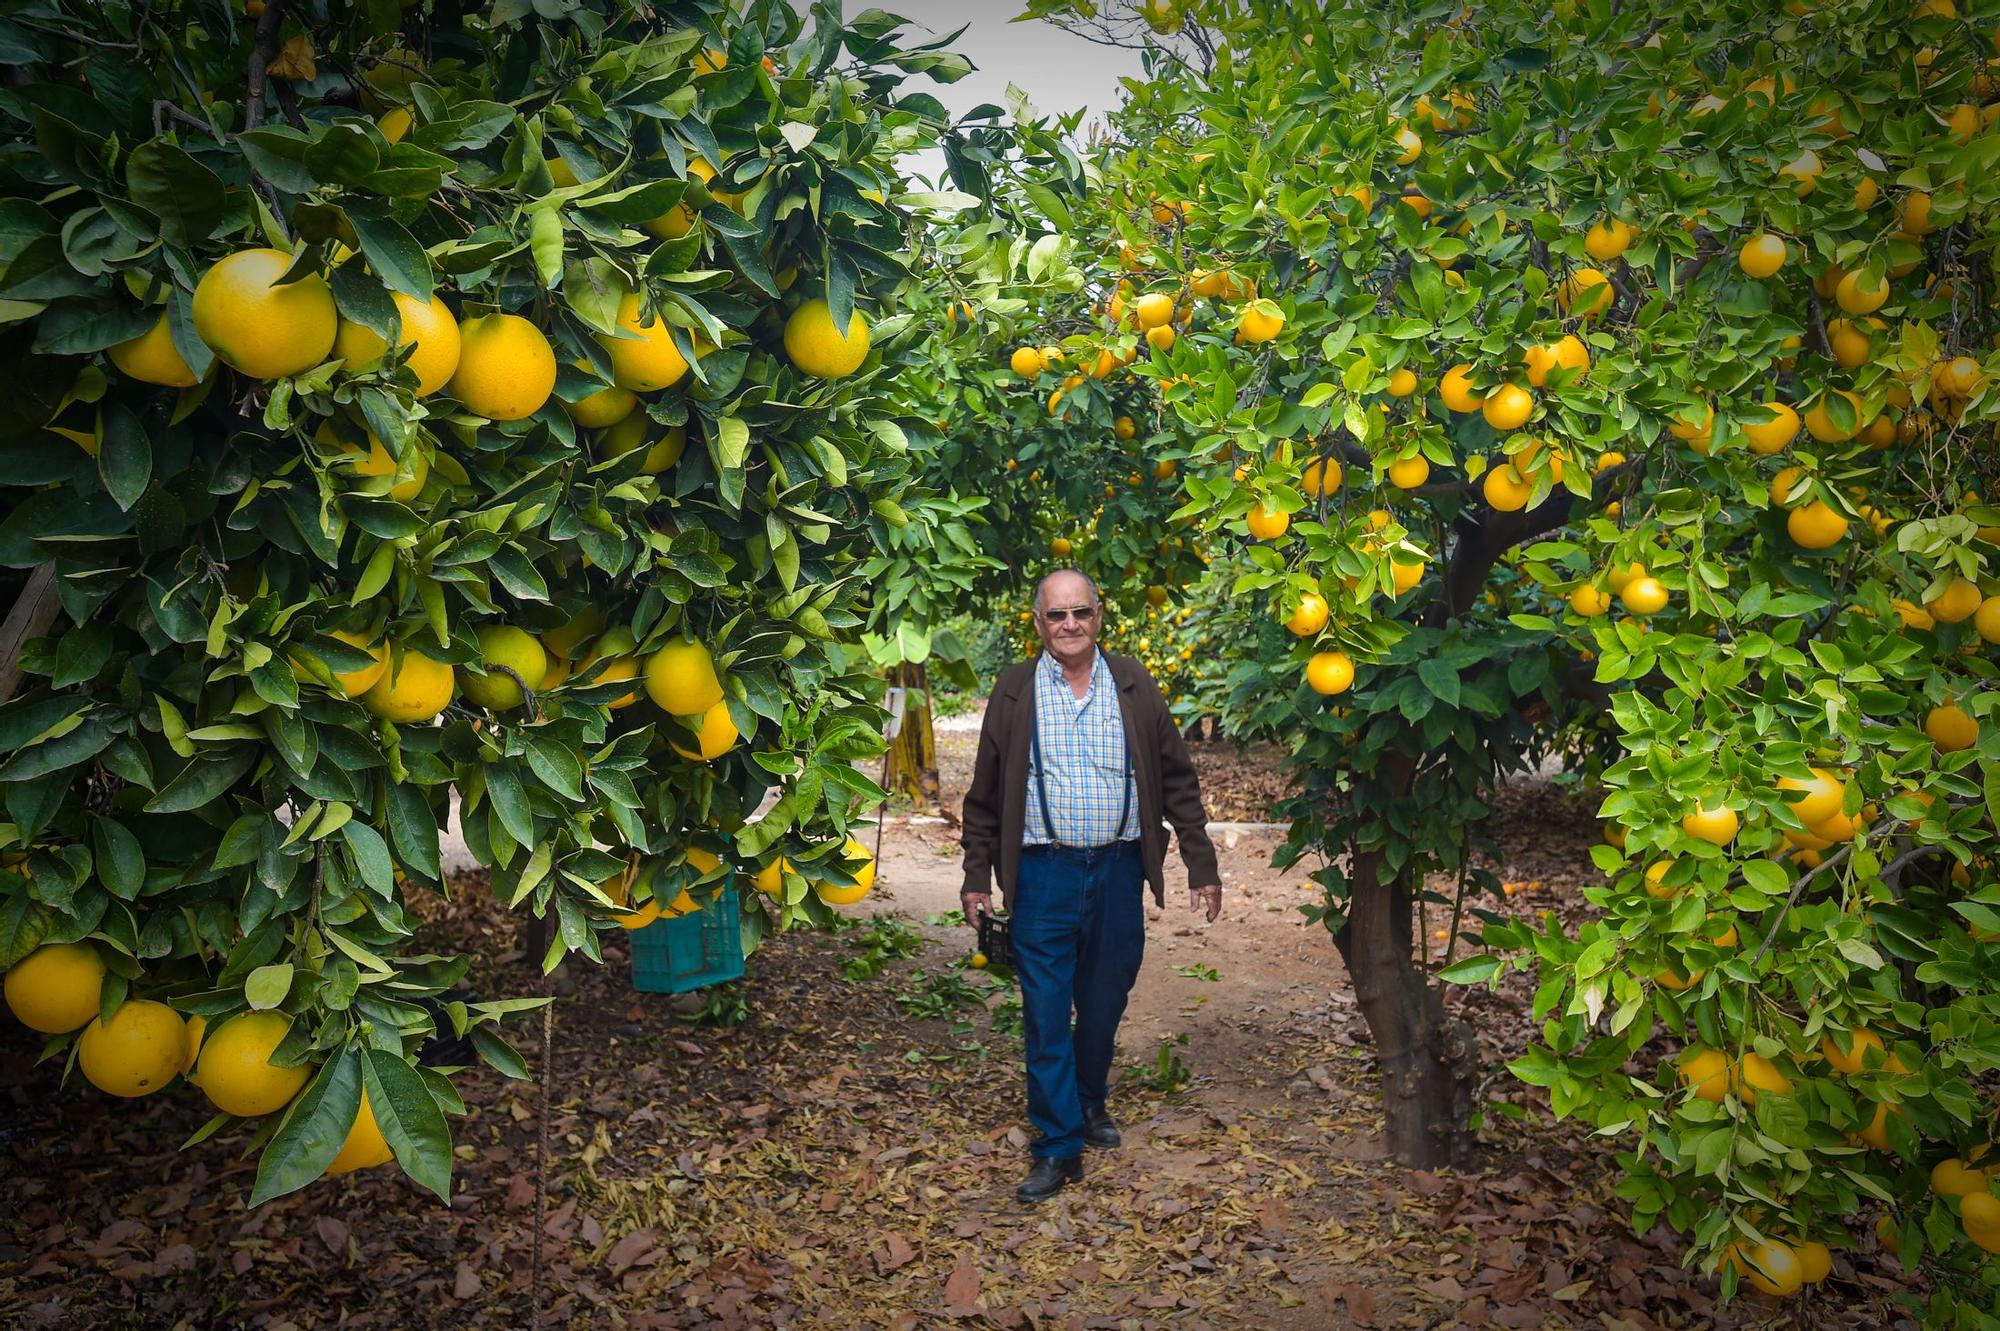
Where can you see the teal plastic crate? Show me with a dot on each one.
(672, 956)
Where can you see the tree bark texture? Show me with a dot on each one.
(913, 765)
(1429, 1060)
(33, 615)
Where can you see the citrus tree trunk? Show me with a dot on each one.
(913, 769)
(1429, 1060)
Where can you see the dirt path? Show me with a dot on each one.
(844, 1155)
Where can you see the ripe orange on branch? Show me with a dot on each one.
(1508, 407)
(1329, 673)
(260, 325)
(55, 989)
(506, 368)
(1457, 391)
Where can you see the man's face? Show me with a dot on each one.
(1068, 618)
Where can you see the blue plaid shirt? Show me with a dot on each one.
(1089, 774)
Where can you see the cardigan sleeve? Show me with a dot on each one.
(979, 828)
(1180, 794)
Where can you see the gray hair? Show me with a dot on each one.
(1095, 599)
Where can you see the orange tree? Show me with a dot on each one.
(1061, 475)
(1653, 353)
(418, 410)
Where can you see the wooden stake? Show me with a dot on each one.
(34, 613)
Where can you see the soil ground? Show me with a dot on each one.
(844, 1155)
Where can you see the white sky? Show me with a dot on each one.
(1058, 71)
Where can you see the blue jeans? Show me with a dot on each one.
(1079, 931)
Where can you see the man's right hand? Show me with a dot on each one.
(975, 904)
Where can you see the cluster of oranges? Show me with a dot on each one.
(142, 1046)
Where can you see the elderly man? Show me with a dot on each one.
(1080, 767)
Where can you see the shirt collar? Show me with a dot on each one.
(1052, 670)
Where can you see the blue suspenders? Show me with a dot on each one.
(1042, 785)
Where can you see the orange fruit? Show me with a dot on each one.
(137, 1052)
(1608, 238)
(1457, 391)
(1820, 796)
(1770, 1266)
(1762, 255)
(1706, 1072)
(1958, 602)
(427, 328)
(1508, 407)
(364, 1147)
(1267, 523)
(1409, 473)
(1860, 294)
(1862, 1043)
(1757, 1073)
(152, 358)
(1589, 601)
(1816, 526)
(1310, 617)
(1951, 728)
(506, 368)
(1714, 823)
(1777, 429)
(263, 328)
(819, 349)
(1585, 294)
(1505, 489)
(235, 1070)
(1644, 596)
(55, 988)
(1329, 673)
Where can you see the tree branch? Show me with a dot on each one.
(263, 47)
(34, 613)
(164, 110)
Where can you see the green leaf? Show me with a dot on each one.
(125, 459)
(278, 153)
(1471, 970)
(313, 1129)
(1993, 792)
(1860, 953)
(410, 1120)
(510, 801)
(557, 765)
(24, 923)
(81, 654)
(344, 154)
(499, 1055)
(72, 747)
(392, 251)
(732, 442)
(371, 856)
(1441, 679)
(243, 841)
(362, 299)
(413, 829)
(201, 783)
(268, 986)
(186, 196)
(545, 231)
(1766, 877)
(119, 862)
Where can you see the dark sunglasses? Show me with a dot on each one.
(1080, 613)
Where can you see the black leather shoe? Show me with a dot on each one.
(1047, 1178)
(1099, 1130)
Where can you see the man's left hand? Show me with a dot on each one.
(1206, 897)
